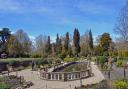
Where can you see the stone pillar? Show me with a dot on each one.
(54, 76)
(58, 76)
(77, 75)
(71, 76)
(51, 76)
(47, 76)
(63, 76)
(44, 75)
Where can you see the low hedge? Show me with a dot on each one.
(101, 59)
(120, 84)
(67, 59)
(120, 63)
(15, 62)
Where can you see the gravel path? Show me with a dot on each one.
(116, 73)
(42, 84)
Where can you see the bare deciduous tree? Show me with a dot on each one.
(122, 24)
(84, 44)
(24, 41)
(122, 28)
(41, 42)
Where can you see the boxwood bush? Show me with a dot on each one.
(67, 59)
(120, 63)
(101, 60)
(120, 84)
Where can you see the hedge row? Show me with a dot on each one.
(15, 63)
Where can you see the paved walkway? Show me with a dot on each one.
(116, 73)
(42, 84)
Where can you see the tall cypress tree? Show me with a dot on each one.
(48, 46)
(58, 45)
(5, 34)
(90, 41)
(66, 43)
(53, 49)
(57, 39)
(76, 41)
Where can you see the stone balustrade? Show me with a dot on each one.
(66, 76)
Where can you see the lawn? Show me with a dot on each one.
(18, 59)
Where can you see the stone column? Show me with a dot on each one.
(51, 76)
(71, 76)
(47, 76)
(58, 76)
(54, 77)
(63, 76)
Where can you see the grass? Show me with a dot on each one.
(18, 59)
(2, 84)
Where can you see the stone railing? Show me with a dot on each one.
(66, 76)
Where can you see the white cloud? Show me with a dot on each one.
(53, 38)
(15, 6)
(94, 8)
(32, 37)
(9, 5)
(12, 32)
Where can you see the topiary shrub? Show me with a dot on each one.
(120, 84)
(101, 60)
(120, 63)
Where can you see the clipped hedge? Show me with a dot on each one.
(120, 63)
(101, 61)
(120, 84)
(67, 59)
(15, 63)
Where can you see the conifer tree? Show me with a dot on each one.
(76, 41)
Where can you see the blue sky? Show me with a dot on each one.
(59, 16)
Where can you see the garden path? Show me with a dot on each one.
(42, 84)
